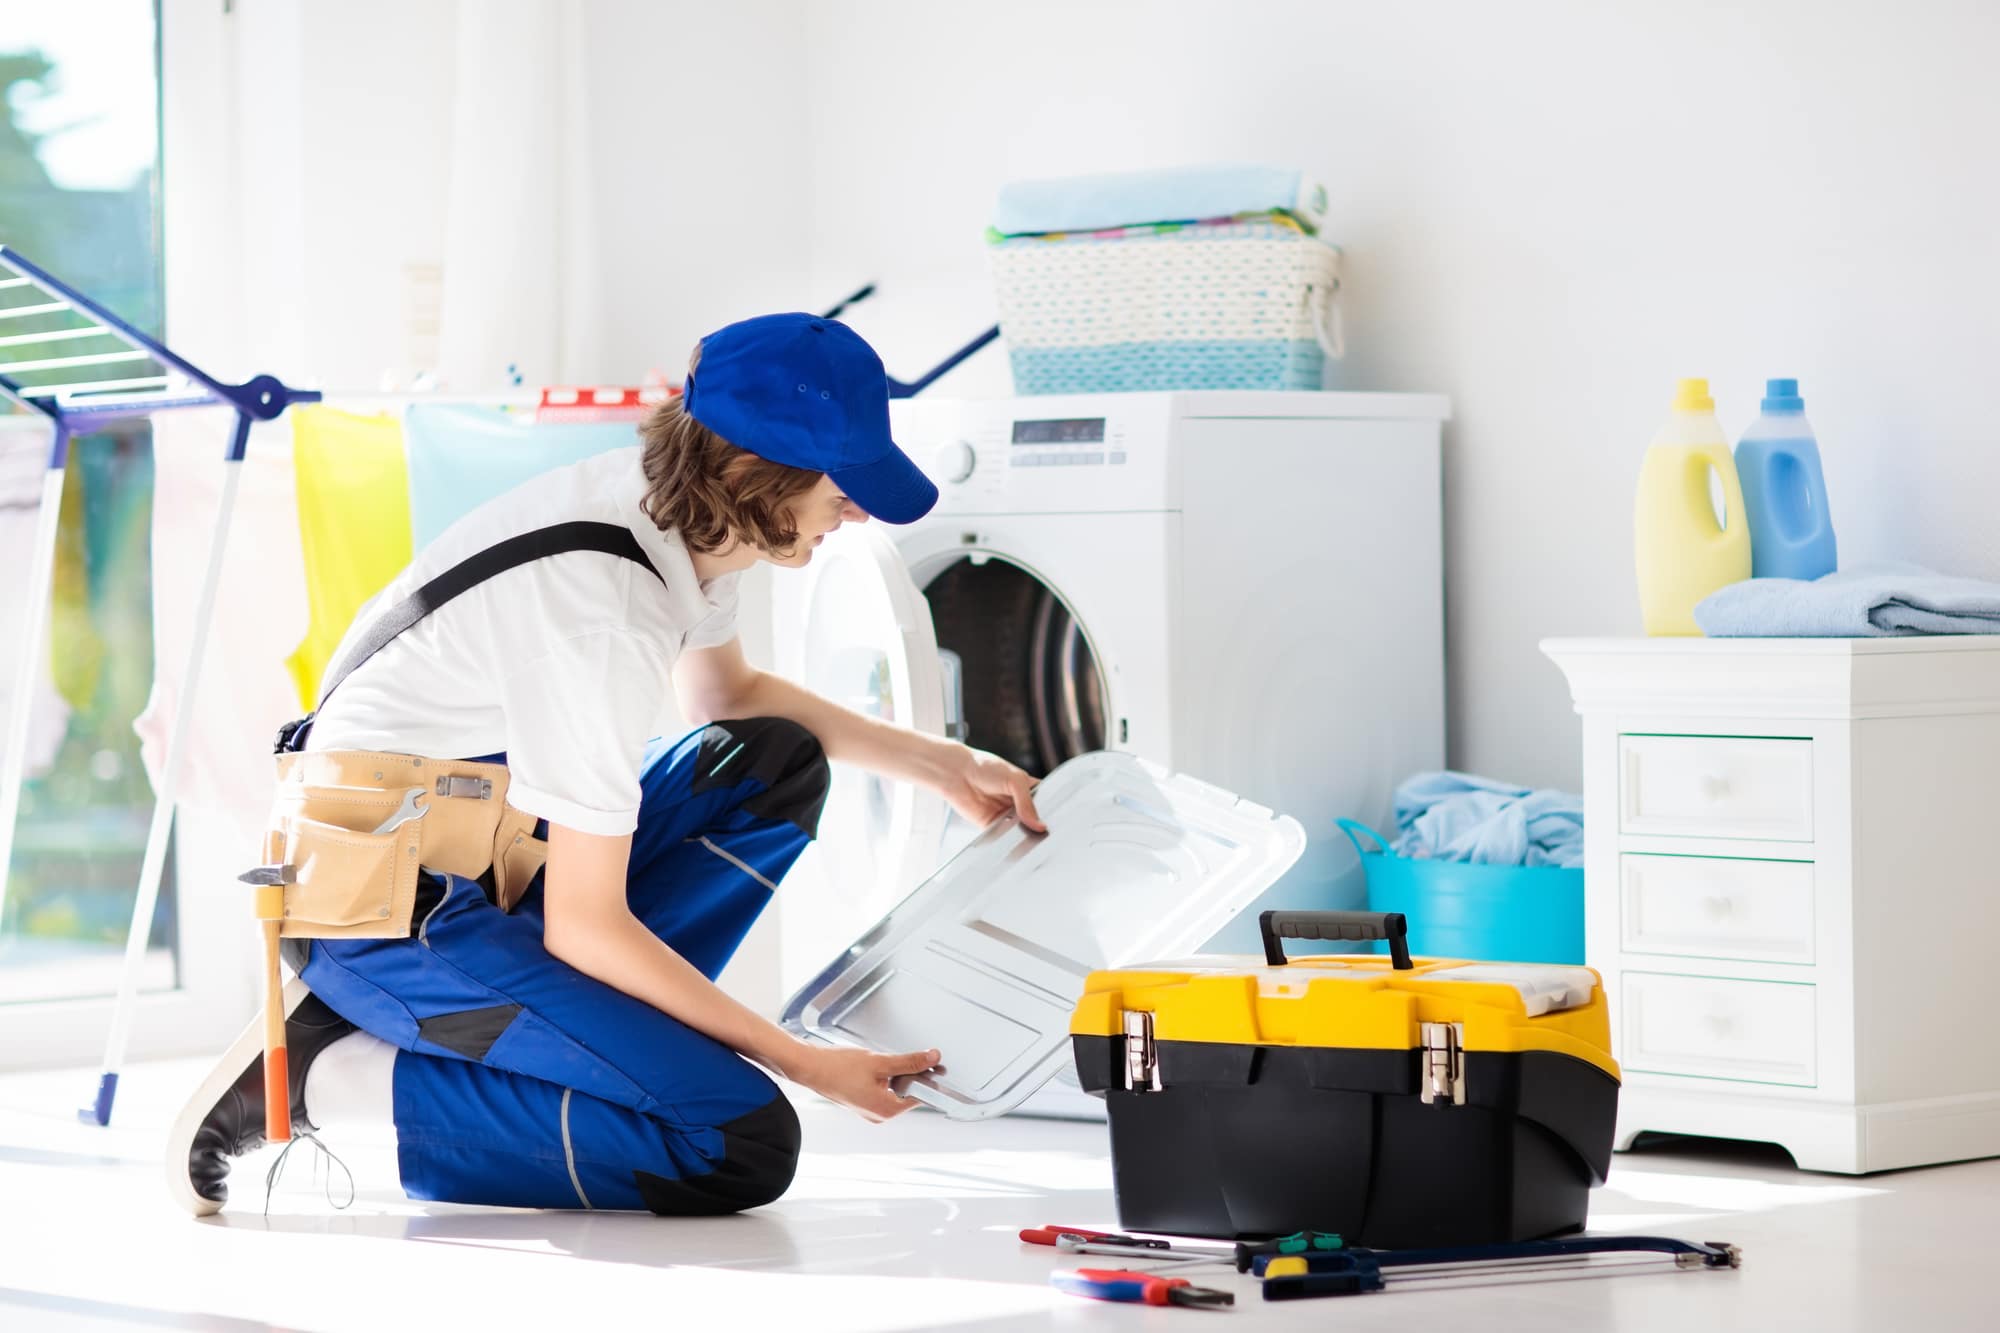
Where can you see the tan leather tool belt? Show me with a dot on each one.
(349, 830)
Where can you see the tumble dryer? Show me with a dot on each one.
(1246, 587)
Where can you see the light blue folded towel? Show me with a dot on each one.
(1458, 817)
(1873, 601)
(1178, 194)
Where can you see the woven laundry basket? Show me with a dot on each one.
(1242, 304)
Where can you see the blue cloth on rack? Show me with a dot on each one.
(1178, 194)
(1458, 817)
(1872, 601)
(461, 456)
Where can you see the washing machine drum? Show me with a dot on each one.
(1028, 686)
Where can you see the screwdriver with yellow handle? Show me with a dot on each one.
(1354, 1272)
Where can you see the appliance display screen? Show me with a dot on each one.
(1072, 430)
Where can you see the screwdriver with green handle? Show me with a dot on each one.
(1299, 1242)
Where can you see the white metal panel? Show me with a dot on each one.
(1716, 786)
(1711, 1027)
(987, 959)
(1710, 907)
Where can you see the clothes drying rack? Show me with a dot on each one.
(899, 388)
(116, 372)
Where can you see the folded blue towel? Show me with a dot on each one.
(1458, 817)
(1873, 601)
(1179, 194)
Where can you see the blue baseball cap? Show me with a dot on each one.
(809, 393)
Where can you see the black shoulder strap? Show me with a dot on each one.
(469, 573)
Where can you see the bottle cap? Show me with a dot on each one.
(1783, 396)
(1692, 396)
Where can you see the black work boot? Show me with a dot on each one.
(225, 1117)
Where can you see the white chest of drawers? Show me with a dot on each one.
(1792, 889)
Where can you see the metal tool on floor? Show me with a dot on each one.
(1049, 1235)
(1120, 1284)
(1360, 1271)
(1172, 1256)
(1082, 1240)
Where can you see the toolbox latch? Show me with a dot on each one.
(1142, 1057)
(1444, 1064)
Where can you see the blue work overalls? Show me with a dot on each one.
(520, 1081)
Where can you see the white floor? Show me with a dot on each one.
(905, 1226)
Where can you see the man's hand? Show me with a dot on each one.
(859, 1080)
(982, 787)
(717, 683)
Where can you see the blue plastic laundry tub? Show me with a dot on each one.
(1514, 914)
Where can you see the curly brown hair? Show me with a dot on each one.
(711, 492)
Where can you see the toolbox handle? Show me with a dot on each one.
(1390, 926)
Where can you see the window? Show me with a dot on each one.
(79, 194)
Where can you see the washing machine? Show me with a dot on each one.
(1246, 587)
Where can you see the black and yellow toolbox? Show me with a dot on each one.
(1398, 1102)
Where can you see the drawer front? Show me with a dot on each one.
(1712, 907)
(1716, 787)
(1746, 1031)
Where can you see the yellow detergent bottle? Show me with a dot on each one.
(1684, 553)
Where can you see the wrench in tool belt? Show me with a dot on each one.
(413, 807)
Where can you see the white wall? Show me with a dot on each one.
(699, 113)
(1549, 211)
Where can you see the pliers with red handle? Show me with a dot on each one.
(1123, 1284)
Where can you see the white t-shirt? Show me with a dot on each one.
(564, 663)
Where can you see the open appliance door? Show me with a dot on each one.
(867, 642)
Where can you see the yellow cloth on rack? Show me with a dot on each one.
(354, 525)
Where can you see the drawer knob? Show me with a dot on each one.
(1718, 906)
(1720, 1025)
(1713, 787)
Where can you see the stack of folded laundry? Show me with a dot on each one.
(1194, 278)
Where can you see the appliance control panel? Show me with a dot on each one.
(1106, 453)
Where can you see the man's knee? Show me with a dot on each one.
(777, 752)
(760, 1155)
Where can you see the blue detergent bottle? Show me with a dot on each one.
(1784, 490)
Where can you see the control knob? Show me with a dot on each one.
(953, 461)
